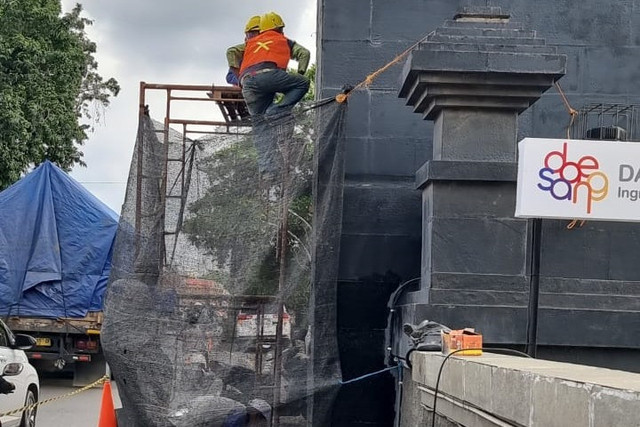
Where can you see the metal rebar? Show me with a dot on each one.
(281, 286)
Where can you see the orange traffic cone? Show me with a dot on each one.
(107, 411)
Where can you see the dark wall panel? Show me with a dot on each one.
(387, 143)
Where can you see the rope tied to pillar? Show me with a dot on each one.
(342, 97)
(573, 113)
(370, 78)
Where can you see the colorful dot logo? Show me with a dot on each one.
(573, 181)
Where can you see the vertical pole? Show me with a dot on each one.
(139, 162)
(165, 177)
(139, 167)
(534, 287)
(259, 340)
(284, 230)
(183, 169)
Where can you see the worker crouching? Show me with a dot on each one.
(263, 73)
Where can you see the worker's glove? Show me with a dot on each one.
(301, 72)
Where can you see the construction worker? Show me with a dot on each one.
(263, 72)
(235, 53)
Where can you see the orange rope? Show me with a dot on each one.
(573, 113)
(573, 223)
(342, 97)
(570, 109)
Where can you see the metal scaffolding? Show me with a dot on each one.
(236, 121)
(617, 122)
(174, 189)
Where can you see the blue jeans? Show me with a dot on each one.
(272, 126)
(259, 91)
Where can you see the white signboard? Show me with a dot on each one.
(577, 179)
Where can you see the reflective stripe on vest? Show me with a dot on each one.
(270, 46)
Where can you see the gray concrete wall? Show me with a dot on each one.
(471, 392)
(387, 143)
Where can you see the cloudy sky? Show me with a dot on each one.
(164, 41)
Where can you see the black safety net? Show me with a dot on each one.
(220, 309)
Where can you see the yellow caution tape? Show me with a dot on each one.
(53, 399)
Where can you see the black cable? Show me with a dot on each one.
(400, 388)
(322, 102)
(395, 296)
(393, 300)
(534, 287)
(407, 357)
(398, 292)
(318, 104)
(435, 392)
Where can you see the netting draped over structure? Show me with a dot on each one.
(220, 309)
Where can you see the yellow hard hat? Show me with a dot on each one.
(269, 21)
(253, 24)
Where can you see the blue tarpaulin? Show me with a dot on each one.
(56, 242)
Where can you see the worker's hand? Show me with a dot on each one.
(302, 73)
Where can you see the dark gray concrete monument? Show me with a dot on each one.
(473, 76)
(589, 276)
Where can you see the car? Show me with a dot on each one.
(16, 369)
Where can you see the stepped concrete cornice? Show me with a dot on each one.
(480, 59)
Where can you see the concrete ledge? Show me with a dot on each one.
(446, 170)
(504, 390)
(480, 62)
(481, 11)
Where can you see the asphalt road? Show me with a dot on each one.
(81, 410)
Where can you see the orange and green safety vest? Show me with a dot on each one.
(272, 49)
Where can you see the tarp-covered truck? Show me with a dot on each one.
(56, 241)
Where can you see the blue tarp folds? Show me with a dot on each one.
(56, 240)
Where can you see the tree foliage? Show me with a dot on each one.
(230, 221)
(311, 75)
(238, 225)
(49, 84)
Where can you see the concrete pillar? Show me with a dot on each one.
(473, 77)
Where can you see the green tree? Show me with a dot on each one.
(311, 75)
(230, 220)
(238, 225)
(50, 91)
